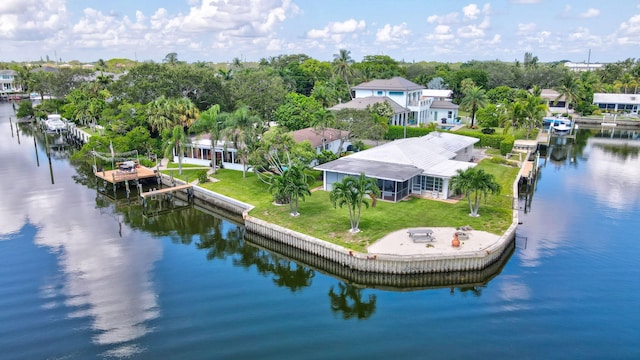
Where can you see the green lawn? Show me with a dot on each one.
(318, 218)
(517, 133)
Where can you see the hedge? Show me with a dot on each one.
(397, 132)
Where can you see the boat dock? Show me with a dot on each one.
(165, 190)
(118, 175)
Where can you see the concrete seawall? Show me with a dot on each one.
(364, 262)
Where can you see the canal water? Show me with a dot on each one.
(83, 276)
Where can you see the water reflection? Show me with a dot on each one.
(347, 301)
(104, 276)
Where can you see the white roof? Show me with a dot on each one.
(431, 153)
(437, 93)
(605, 98)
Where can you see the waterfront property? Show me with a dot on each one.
(200, 152)
(419, 166)
(628, 103)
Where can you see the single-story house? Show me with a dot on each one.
(550, 96)
(335, 140)
(617, 102)
(198, 152)
(421, 165)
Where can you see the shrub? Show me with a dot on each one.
(506, 145)
(488, 131)
(203, 177)
(397, 132)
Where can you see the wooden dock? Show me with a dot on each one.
(165, 190)
(118, 176)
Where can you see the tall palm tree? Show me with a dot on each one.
(159, 115)
(342, 62)
(533, 111)
(185, 111)
(474, 98)
(291, 185)
(176, 141)
(213, 122)
(477, 182)
(569, 89)
(353, 193)
(243, 130)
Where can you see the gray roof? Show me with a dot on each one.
(430, 154)
(437, 104)
(375, 169)
(397, 83)
(362, 103)
(8, 72)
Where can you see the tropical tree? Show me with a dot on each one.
(474, 98)
(213, 122)
(569, 89)
(243, 130)
(475, 181)
(534, 110)
(342, 62)
(176, 140)
(291, 186)
(353, 193)
(321, 120)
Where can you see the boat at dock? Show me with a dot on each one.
(55, 123)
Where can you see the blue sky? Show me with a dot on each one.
(410, 30)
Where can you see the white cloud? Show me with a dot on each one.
(450, 18)
(337, 28)
(395, 33)
(526, 29)
(471, 11)
(29, 20)
(591, 12)
(470, 31)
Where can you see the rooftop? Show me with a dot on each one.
(395, 84)
(363, 103)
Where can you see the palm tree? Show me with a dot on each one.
(352, 191)
(176, 141)
(323, 119)
(533, 111)
(342, 66)
(291, 185)
(474, 181)
(212, 122)
(159, 115)
(184, 111)
(243, 130)
(569, 89)
(474, 98)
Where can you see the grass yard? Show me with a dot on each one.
(318, 218)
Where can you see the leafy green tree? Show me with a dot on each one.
(534, 110)
(243, 130)
(474, 98)
(297, 111)
(476, 182)
(261, 90)
(353, 192)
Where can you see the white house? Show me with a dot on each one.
(583, 66)
(336, 141)
(550, 96)
(402, 91)
(8, 81)
(198, 152)
(617, 102)
(420, 165)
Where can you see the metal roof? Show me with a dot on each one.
(438, 104)
(602, 98)
(374, 169)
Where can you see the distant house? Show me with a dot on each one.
(583, 66)
(628, 103)
(550, 97)
(412, 104)
(420, 166)
(336, 141)
(400, 113)
(8, 81)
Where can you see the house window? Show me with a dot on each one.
(450, 114)
(396, 93)
(380, 92)
(430, 183)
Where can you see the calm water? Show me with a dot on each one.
(82, 277)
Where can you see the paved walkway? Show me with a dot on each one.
(399, 243)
